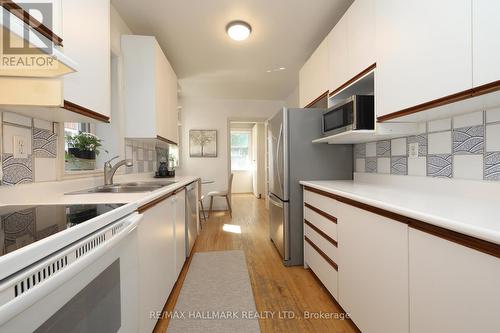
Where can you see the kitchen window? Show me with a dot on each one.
(241, 141)
(80, 147)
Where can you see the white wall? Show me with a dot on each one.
(206, 113)
(292, 100)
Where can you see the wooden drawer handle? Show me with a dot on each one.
(319, 231)
(323, 254)
(320, 212)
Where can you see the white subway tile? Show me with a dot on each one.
(371, 149)
(8, 138)
(468, 120)
(45, 169)
(417, 166)
(360, 165)
(398, 147)
(439, 125)
(42, 124)
(493, 115)
(439, 143)
(16, 119)
(493, 137)
(384, 165)
(468, 167)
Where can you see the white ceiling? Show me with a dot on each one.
(209, 64)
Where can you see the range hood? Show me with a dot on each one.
(28, 48)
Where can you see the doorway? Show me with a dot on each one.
(247, 156)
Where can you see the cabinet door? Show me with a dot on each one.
(452, 288)
(156, 261)
(338, 62)
(373, 270)
(313, 76)
(180, 231)
(173, 131)
(486, 43)
(88, 44)
(424, 51)
(361, 36)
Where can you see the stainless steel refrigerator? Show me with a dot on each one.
(292, 158)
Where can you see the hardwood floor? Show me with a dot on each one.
(276, 288)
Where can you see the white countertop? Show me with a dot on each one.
(54, 192)
(470, 208)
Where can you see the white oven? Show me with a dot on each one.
(89, 286)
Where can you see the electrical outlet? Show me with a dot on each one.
(413, 153)
(20, 147)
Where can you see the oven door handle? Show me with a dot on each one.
(18, 304)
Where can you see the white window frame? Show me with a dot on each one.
(241, 131)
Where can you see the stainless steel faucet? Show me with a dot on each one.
(109, 170)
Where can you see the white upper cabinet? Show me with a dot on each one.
(88, 44)
(150, 90)
(360, 36)
(424, 51)
(449, 283)
(486, 41)
(313, 77)
(352, 43)
(338, 64)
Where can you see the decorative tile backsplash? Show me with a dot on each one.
(44, 143)
(144, 155)
(465, 147)
(41, 149)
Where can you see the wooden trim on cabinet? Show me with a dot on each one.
(29, 20)
(179, 190)
(84, 111)
(161, 138)
(153, 203)
(447, 234)
(323, 254)
(320, 212)
(354, 79)
(458, 238)
(317, 99)
(319, 231)
(457, 97)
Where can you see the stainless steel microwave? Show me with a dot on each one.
(355, 113)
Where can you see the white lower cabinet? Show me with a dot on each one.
(180, 231)
(156, 261)
(452, 288)
(373, 270)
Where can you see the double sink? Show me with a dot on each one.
(132, 187)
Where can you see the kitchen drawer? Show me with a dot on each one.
(326, 206)
(323, 242)
(319, 221)
(326, 273)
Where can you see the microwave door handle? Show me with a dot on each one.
(24, 301)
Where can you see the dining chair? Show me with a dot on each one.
(225, 194)
(200, 200)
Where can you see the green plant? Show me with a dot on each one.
(84, 141)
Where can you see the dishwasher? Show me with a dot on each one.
(191, 216)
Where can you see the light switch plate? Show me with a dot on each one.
(413, 150)
(20, 147)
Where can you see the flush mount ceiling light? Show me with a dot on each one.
(238, 30)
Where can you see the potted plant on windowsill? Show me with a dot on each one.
(82, 151)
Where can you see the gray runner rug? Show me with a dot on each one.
(216, 296)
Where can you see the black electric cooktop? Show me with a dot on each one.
(23, 225)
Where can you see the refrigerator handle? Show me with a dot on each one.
(275, 202)
(278, 156)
